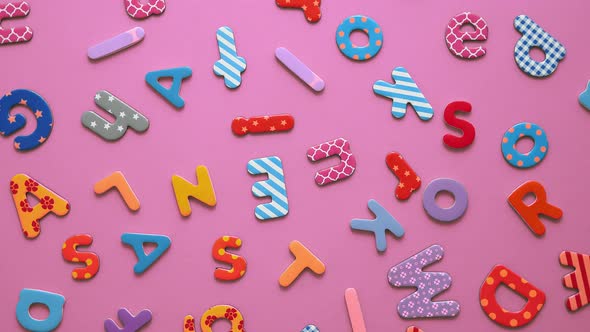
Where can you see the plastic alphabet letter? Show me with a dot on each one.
(429, 284)
(224, 311)
(125, 116)
(54, 302)
(465, 126)
(379, 226)
(118, 43)
(203, 191)
(345, 169)
(300, 69)
(452, 213)
(30, 216)
(9, 124)
(303, 259)
(404, 91)
(70, 253)
(130, 323)
(530, 213)
(238, 263)
(138, 10)
(584, 97)
(172, 94)
(487, 298)
(241, 126)
(534, 36)
(455, 37)
(274, 187)
(117, 180)
(230, 66)
(579, 279)
(311, 8)
(19, 34)
(414, 329)
(136, 241)
(409, 181)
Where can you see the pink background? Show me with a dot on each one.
(55, 65)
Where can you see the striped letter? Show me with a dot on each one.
(273, 187)
(429, 284)
(404, 91)
(230, 66)
(578, 279)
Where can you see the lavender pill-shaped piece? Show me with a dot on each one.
(300, 69)
(116, 44)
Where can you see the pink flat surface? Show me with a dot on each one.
(55, 65)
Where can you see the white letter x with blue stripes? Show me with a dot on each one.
(273, 187)
(404, 91)
(230, 66)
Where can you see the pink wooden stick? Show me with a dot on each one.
(354, 310)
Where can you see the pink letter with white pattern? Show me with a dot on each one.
(455, 37)
(18, 34)
(339, 147)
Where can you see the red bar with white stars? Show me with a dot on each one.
(262, 124)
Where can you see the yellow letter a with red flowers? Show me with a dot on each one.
(30, 216)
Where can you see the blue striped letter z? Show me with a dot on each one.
(404, 91)
(273, 187)
(230, 66)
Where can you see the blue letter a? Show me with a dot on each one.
(136, 241)
(172, 94)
